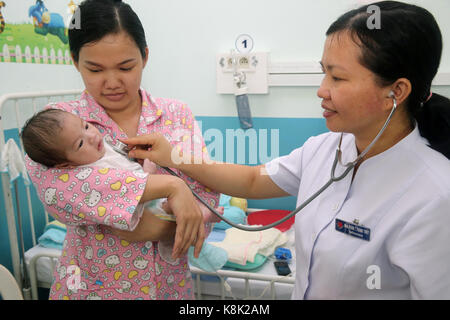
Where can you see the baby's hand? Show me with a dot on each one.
(149, 167)
(165, 206)
(208, 216)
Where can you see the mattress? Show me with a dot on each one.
(44, 265)
(258, 289)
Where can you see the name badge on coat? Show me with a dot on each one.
(353, 229)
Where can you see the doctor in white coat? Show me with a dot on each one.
(383, 231)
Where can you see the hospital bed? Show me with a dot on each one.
(15, 109)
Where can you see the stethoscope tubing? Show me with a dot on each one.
(349, 167)
(287, 217)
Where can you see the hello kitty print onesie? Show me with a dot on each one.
(94, 263)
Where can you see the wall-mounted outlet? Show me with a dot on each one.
(254, 65)
(242, 62)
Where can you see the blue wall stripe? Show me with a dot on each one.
(293, 132)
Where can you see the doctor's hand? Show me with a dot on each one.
(154, 147)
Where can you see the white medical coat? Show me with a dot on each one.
(402, 195)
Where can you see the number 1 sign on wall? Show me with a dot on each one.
(244, 43)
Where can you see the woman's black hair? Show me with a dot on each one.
(98, 18)
(407, 43)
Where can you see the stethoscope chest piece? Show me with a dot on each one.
(119, 147)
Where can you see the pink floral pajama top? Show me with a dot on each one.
(94, 263)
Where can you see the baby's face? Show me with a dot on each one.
(82, 142)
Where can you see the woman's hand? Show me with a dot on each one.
(155, 148)
(189, 218)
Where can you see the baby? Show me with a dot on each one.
(60, 139)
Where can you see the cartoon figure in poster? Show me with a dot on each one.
(72, 7)
(2, 20)
(46, 22)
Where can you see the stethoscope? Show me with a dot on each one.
(123, 149)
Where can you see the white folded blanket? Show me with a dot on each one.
(242, 246)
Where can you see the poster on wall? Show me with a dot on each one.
(35, 31)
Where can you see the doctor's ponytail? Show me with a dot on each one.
(433, 120)
(407, 44)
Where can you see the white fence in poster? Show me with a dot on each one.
(35, 55)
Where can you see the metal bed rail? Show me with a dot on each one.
(31, 102)
(32, 268)
(221, 274)
(247, 276)
(13, 107)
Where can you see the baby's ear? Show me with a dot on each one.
(64, 165)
